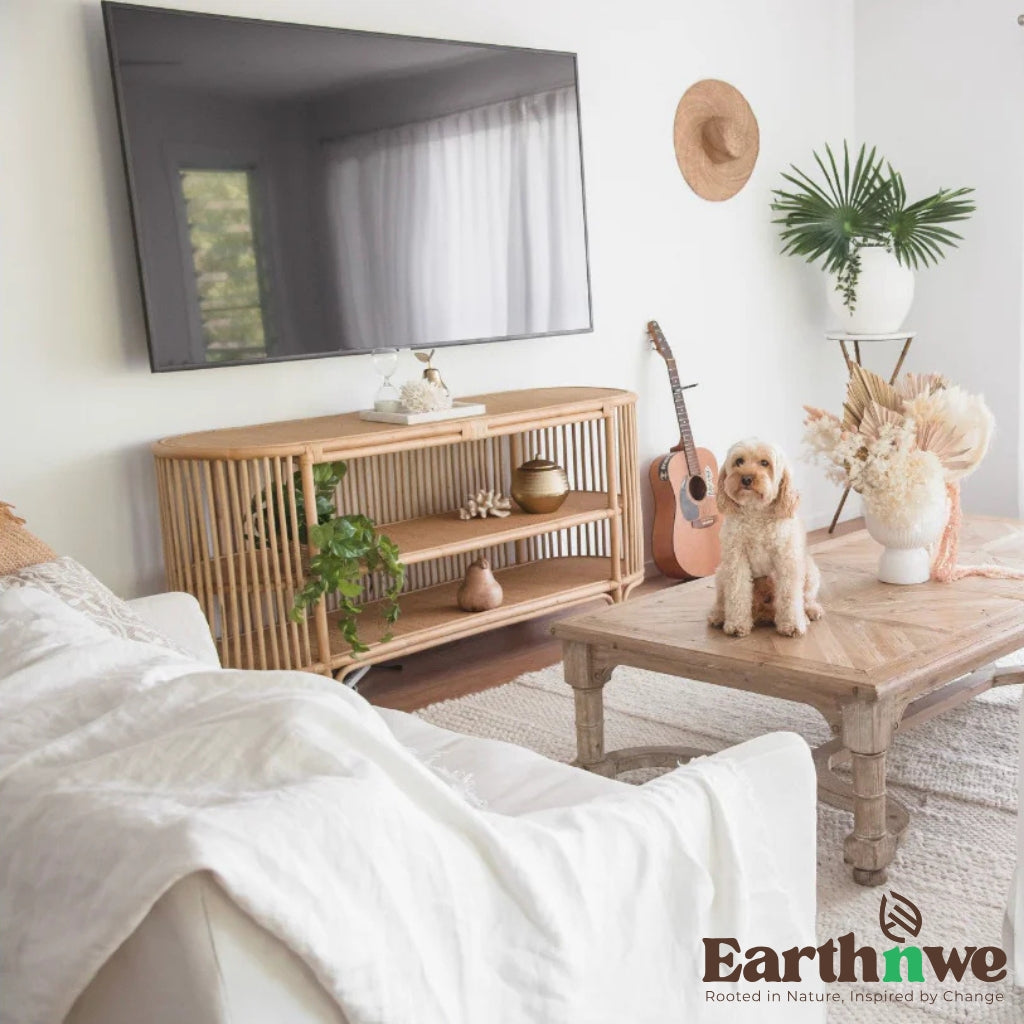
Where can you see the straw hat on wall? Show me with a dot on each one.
(716, 139)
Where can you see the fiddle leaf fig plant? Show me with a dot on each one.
(832, 217)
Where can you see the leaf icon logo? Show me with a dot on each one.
(896, 912)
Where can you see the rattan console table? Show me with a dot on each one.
(224, 493)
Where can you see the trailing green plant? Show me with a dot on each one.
(349, 551)
(848, 275)
(350, 548)
(326, 477)
(859, 204)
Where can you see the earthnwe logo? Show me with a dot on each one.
(843, 960)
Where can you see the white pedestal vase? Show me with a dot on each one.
(906, 557)
(885, 292)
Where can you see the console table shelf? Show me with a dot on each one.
(224, 494)
(530, 589)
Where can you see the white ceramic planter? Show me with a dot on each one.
(885, 292)
(906, 557)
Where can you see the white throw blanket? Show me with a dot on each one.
(124, 768)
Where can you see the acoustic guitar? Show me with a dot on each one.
(686, 517)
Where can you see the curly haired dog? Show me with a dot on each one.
(762, 541)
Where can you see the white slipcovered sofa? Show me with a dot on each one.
(198, 958)
(729, 844)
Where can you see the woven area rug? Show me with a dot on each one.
(956, 774)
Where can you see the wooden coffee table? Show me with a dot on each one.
(884, 657)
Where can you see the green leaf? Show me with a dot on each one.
(828, 217)
(349, 550)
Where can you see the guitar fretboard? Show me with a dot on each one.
(683, 418)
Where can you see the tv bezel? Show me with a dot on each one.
(134, 206)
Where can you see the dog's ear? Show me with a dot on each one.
(787, 497)
(725, 504)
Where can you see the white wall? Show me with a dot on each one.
(78, 405)
(940, 90)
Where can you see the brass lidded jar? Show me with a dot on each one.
(539, 485)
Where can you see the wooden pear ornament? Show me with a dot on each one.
(479, 591)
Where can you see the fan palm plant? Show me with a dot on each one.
(863, 203)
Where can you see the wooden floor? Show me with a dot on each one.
(489, 659)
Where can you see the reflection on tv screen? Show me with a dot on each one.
(301, 191)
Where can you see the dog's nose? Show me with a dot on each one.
(746, 480)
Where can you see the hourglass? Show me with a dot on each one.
(385, 362)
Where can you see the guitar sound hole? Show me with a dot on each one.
(698, 488)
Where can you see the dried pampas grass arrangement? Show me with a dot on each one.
(883, 422)
(900, 444)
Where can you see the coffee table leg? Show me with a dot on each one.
(587, 680)
(867, 732)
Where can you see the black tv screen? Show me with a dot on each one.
(299, 191)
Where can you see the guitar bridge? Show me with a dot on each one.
(703, 524)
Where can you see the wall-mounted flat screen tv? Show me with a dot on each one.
(299, 191)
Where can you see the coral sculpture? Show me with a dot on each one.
(425, 396)
(486, 503)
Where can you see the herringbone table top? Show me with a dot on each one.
(874, 636)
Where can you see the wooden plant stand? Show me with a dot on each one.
(884, 658)
(224, 495)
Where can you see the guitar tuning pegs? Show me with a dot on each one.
(686, 387)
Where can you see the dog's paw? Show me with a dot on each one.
(716, 618)
(737, 628)
(815, 611)
(796, 627)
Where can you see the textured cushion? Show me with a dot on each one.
(73, 584)
(18, 547)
